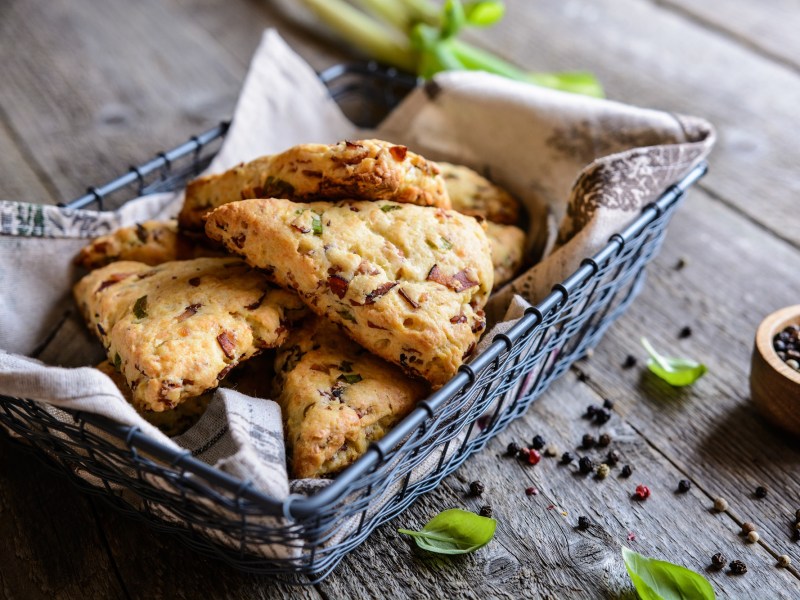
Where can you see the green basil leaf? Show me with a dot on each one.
(350, 377)
(677, 372)
(484, 13)
(316, 225)
(454, 531)
(140, 308)
(661, 580)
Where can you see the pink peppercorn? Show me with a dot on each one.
(531, 491)
(533, 457)
(642, 492)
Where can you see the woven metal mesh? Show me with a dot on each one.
(224, 518)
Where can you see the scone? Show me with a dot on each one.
(508, 251)
(175, 330)
(364, 170)
(336, 398)
(151, 242)
(406, 282)
(474, 195)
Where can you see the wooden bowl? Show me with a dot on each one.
(774, 385)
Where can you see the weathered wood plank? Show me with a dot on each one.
(17, 178)
(51, 544)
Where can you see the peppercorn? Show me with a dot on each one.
(626, 471)
(512, 449)
(685, 332)
(583, 523)
(538, 442)
(761, 492)
(551, 451)
(720, 504)
(752, 537)
(604, 440)
(603, 470)
(602, 416)
(738, 567)
(718, 561)
(630, 362)
(476, 488)
(582, 377)
(531, 491)
(612, 458)
(748, 527)
(585, 465)
(522, 454)
(591, 410)
(608, 403)
(567, 458)
(486, 511)
(534, 457)
(587, 441)
(784, 561)
(680, 264)
(684, 485)
(642, 492)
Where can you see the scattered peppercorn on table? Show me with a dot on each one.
(611, 456)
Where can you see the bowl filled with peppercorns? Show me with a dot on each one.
(775, 368)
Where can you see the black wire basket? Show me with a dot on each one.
(303, 537)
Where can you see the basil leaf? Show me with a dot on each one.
(454, 531)
(661, 580)
(484, 13)
(350, 377)
(677, 372)
(140, 308)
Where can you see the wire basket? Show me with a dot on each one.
(303, 537)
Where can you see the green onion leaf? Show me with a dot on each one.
(446, 244)
(140, 308)
(117, 361)
(454, 531)
(350, 377)
(484, 13)
(453, 18)
(678, 372)
(661, 580)
(347, 316)
(316, 225)
(390, 207)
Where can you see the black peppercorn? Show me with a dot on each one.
(626, 471)
(486, 511)
(567, 458)
(522, 454)
(630, 362)
(512, 449)
(604, 440)
(591, 410)
(476, 488)
(585, 464)
(608, 403)
(718, 561)
(684, 485)
(602, 416)
(612, 458)
(582, 377)
(680, 264)
(587, 441)
(583, 523)
(685, 332)
(738, 567)
(538, 442)
(761, 492)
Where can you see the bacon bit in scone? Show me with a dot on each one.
(379, 291)
(239, 240)
(350, 144)
(194, 281)
(166, 386)
(465, 282)
(226, 344)
(115, 278)
(141, 233)
(190, 310)
(458, 282)
(311, 173)
(222, 374)
(258, 302)
(406, 297)
(188, 382)
(365, 268)
(462, 318)
(435, 274)
(469, 351)
(321, 368)
(101, 330)
(301, 229)
(478, 325)
(338, 285)
(398, 153)
(372, 325)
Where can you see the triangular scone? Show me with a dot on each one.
(336, 398)
(175, 330)
(472, 194)
(406, 282)
(362, 170)
(508, 251)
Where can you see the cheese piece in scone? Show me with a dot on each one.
(406, 282)
(363, 170)
(151, 242)
(508, 250)
(175, 330)
(474, 195)
(336, 398)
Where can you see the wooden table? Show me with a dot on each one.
(91, 87)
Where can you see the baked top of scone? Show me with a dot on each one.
(508, 250)
(175, 330)
(362, 169)
(474, 195)
(150, 242)
(406, 282)
(336, 398)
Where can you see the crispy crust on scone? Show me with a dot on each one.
(474, 195)
(175, 330)
(336, 398)
(362, 169)
(406, 282)
(508, 251)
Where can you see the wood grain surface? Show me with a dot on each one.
(89, 88)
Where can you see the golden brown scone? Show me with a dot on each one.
(362, 170)
(406, 282)
(151, 242)
(175, 330)
(474, 195)
(508, 251)
(336, 398)
(171, 422)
